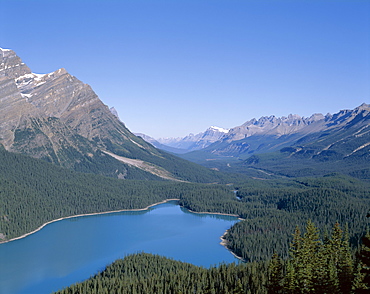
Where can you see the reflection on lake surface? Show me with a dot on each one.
(72, 250)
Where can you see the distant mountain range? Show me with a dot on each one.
(314, 145)
(273, 133)
(266, 134)
(294, 145)
(58, 118)
(189, 143)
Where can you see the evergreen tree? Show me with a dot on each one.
(275, 275)
(359, 286)
(340, 250)
(326, 276)
(307, 259)
(316, 266)
(362, 279)
(290, 285)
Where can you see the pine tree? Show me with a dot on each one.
(275, 275)
(290, 285)
(325, 272)
(308, 258)
(362, 279)
(358, 285)
(345, 260)
(295, 246)
(316, 266)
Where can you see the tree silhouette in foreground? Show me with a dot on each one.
(315, 265)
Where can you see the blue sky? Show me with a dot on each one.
(171, 68)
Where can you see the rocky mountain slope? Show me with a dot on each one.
(189, 143)
(296, 146)
(57, 118)
(269, 134)
(48, 115)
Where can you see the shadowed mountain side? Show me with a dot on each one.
(312, 146)
(57, 118)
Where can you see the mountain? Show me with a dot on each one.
(342, 146)
(158, 145)
(189, 143)
(272, 133)
(265, 134)
(296, 146)
(58, 118)
(114, 112)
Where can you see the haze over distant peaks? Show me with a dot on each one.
(191, 142)
(114, 112)
(347, 130)
(272, 125)
(266, 134)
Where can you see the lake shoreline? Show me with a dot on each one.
(218, 213)
(223, 242)
(86, 214)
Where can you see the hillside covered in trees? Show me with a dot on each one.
(34, 192)
(316, 264)
(146, 273)
(270, 207)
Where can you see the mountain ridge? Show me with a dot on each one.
(270, 133)
(39, 97)
(57, 118)
(188, 143)
(326, 144)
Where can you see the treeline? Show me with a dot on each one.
(270, 208)
(146, 273)
(33, 192)
(317, 264)
(320, 264)
(305, 164)
(274, 207)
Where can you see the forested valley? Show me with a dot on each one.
(34, 192)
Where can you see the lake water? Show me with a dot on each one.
(72, 250)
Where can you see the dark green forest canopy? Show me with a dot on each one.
(318, 264)
(274, 207)
(34, 192)
(146, 273)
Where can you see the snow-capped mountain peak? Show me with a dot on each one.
(218, 129)
(193, 142)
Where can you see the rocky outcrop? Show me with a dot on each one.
(272, 133)
(274, 126)
(57, 117)
(11, 66)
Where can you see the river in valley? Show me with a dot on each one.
(72, 250)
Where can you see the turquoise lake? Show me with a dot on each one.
(72, 250)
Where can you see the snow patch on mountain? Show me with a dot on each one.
(221, 130)
(193, 142)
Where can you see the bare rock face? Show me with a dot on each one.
(11, 65)
(57, 117)
(275, 126)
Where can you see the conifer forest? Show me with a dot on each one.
(296, 235)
